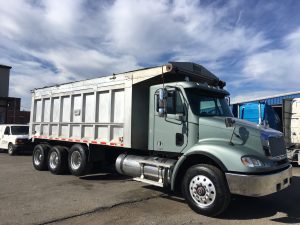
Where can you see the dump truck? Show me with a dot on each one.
(168, 126)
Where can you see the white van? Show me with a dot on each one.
(14, 137)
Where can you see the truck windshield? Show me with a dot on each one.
(19, 130)
(207, 103)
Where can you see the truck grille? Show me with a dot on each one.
(277, 146)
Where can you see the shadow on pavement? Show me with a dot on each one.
(22, 153)
(248, 208)
(177, 197)
(104, 173)
(108, 176)
(286, 201)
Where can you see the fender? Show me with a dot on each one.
(183, 158)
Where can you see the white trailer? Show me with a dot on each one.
(291, 127)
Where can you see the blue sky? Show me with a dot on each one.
(253, 45)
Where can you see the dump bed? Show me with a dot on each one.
(111, 110)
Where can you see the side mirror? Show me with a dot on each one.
(162, 98)
(229, 122)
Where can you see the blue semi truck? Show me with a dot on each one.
(284, 118)
(258, 112)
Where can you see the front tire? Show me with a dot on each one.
(78, 160)
(11, 150)
(39, 156)
(205, 189)
(58, 160)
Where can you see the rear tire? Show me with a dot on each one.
(11, 150)
(78, 160)
(58, 160)
(40, 156)
(205, 189)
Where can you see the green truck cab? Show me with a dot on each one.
(229, 155)
(214, 155)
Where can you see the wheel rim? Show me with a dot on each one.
(53, 160)
(37, 157)
(76, 160)
(10, 149)
(202, 191)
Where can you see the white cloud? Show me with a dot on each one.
(62, 15)
(29, 75)
(55, 41)
(278, 67)
(186, 29)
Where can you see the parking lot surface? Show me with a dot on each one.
(28, 196)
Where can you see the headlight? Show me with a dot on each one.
(252, 162)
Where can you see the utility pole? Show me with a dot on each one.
(15, 111)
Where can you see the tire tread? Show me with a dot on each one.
(223, 193)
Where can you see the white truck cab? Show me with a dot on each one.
(13, 137)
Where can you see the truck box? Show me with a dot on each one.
(111, 110)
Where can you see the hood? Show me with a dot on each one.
(253, 128)
(243, 134)
(23, 136)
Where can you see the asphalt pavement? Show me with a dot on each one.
(28, 196)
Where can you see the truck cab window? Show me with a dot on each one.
(206, 104)
(174, 103)
(20, 130)
(179, 106)
(7, 132)
(210, 106)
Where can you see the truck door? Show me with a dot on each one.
(170, 131)
(5, 137)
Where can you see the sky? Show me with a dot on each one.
(252, 45)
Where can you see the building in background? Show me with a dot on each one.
(10, 108)
(275, 101)
(262, 109)
(4, 80)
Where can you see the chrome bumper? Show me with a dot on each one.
(259, 185)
